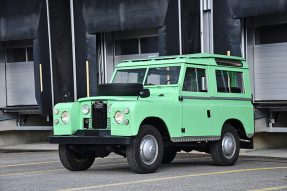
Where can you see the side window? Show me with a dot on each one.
(195, 80)
(229, 82)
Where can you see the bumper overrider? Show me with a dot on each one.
(91, 137)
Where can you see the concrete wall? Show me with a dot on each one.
(9, 138)
(266, 140)
(263, 139)
(8, 125)
(260, 125)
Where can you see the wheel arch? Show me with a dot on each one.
(237, 124)
(159, 124)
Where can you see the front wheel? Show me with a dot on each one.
(225, 151)
(73, 160)
(145, 153)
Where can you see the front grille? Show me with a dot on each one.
(108, 123)
(99, 115)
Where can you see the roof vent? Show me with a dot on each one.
(228, 62)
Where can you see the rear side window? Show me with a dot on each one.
(195, 80)
(229, 82)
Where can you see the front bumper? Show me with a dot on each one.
(107, 140)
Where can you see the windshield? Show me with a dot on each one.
(130, 76)
(163, 75)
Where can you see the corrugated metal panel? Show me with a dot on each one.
(20, 84)
(2, 77)
(270, 71)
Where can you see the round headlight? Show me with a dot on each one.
(65, 117)
(119, 117)
(56, 111)
(110, 106)
(85, 109)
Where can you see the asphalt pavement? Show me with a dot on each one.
(189, 171)
(277, 152)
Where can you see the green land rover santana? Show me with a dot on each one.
(155, 107)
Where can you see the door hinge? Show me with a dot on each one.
(183, 130)
(180, 98)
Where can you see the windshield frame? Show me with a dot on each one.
(147, 67)
(127, 68)
(178, 81)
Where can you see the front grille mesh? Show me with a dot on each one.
(99, 115)
(108, 123)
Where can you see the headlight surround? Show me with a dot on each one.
(85, 109)
(65, 117)
(119, 117)
(110, 106)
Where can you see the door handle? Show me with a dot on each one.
(208, 113)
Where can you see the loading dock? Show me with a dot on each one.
(172, 27)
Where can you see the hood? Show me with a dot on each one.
(111, 98)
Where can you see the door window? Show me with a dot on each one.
(140, 45)
(270, 34)
(24, 54)
(195, 80)
(229, 82)
(126, 46)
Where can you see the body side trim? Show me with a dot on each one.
(191, 139)
(223, 98)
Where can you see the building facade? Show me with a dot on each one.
(47, 47)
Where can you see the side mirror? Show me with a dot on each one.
(144, 93)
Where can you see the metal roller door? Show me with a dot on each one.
(20, 83)
(270, 71)
(270, 58)
(127, 45)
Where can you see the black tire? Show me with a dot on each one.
(73, 160)
(222, 151)
(168, 156)
(119, 89)
(136, 156)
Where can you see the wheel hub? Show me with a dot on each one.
(228, 145)
(148, 149)
(80, 158)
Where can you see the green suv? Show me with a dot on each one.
(155, 107)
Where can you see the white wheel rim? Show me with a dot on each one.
(148, 150)
(228, 145)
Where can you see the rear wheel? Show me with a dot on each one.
(145, 153)
(168, 156)
(225, 151)
(73, 160)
